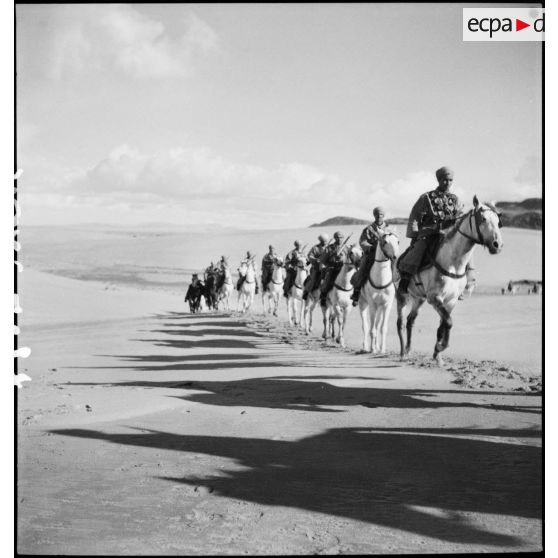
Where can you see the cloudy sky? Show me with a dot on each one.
(265, 115)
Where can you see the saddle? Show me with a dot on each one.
(426, 258)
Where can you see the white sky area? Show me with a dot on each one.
(265, 116)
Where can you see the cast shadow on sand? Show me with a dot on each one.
(387, 477)
(289, 393)
(221, 343)
(216, 331)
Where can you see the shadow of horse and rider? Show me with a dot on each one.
(424, 481)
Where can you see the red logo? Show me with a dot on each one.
(519, 25)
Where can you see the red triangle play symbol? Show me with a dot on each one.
(519, 25)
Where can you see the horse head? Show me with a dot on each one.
(301, 261)
(388, 243)
(353, 256)
(487, 224)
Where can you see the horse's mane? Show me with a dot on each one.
(452, 231)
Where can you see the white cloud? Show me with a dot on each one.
(203, 183)
(119, 38)
(193, 184)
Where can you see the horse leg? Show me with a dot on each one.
(342, 320)
(444, 329)
(332, 320)
(374, 332)
(311, 307)
(401, 304)
(384, 326)
(289, 310)
(299, 312)
(411, 317)
(364, 309)
(325, 315)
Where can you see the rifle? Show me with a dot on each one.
(343, 245)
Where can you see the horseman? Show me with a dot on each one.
(430, 217)
(221, 268)
(248, 261)
(332, 262)
(268, 261)
(368, 242)
(290, 266)
(195, 280)
(210, 270)
(314, 257)
(194, 291)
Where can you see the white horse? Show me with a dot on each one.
(272, 294)
(226, 290)
(294, 295)
(338, 300)
(377, 294)
(443, 282)
(248, 288)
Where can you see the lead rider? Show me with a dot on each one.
(431, 215)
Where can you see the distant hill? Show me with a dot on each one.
(526, 214)
(529, 204)
(340, 221)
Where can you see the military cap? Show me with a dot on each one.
(378, 210)
(338, 235)
(324, 237)
(297, 244)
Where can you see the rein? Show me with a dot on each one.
(342, 289)
(380, 288)
(442, 270)
(383, 286)
(479, 240)
(277, 282)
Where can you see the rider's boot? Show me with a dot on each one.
(323, 298)
(355, 296)
(403, 286)
(305, 295)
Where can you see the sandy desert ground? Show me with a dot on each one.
(146, 430)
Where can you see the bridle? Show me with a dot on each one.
(245, 275)
(351, 260)
(382, 242)
(477, 214)
(299, 265)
